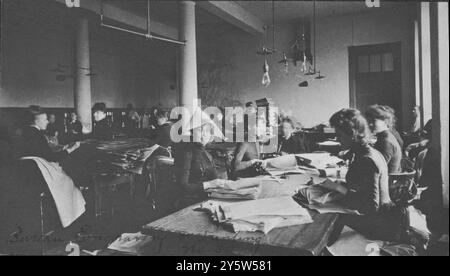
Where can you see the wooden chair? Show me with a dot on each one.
(160, 184)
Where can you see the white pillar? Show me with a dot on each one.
(440, 88)
(82, 82)
(188, 54)
(425, 60)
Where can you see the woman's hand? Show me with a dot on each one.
(334, 186)
(73, 148)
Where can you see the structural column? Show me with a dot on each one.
(188, 54)
(425, 60)
(440, 89)
(82, 84)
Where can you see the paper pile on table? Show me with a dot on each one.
(320, 160)
(245, 188)
(322, 200)
(131, 243)
(261, 215)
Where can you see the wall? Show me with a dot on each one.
(231, 72)
(128, 68)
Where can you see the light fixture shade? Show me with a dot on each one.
(303, 84)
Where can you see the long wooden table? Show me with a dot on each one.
(189, 232)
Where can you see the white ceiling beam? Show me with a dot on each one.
(117, 14)
(234, 14)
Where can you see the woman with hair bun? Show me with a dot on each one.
(367, 187)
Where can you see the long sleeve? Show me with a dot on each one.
(364, 194)
(35, 144)
(386, 149)
(391, 150)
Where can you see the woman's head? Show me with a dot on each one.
(37, 117)
(287, 127)
(380, 118)
(203, 134)
(161, 117)
(73, 116)
(351, 127)
(99, 111)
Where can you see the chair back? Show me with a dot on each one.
(402, 187)
(160, 183)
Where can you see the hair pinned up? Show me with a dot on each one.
(351, 122)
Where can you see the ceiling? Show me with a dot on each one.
(290, 10)
(167, 11)
(162, 11)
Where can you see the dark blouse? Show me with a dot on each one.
(102, 131)
(390, 149)
(368, 181)
(295, 144)
(193, 165)
(398, 137)
(75, 127)
(163, 135)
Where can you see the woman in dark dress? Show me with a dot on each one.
(367, 187)
(194, 165)
(379, 117)
(101, 130)
(290, 142)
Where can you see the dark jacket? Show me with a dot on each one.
(52, 129)
(389, 147)
(163, 135)
(368, 180)
(295, 144)
(102, 131)
(398, 137)
(193, 166)
(75, 127)
(34, 143)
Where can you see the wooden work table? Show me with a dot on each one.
(189, 232)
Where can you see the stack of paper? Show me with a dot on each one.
(246, 188)
(257, 215)
(282, 162)
(319, 160)
(130, 243)
(317, 194)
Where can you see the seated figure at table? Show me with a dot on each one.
(35, 143)
(163, 130)
(52, 128)
(290, 142)
(378, 117)
(193, 164)
(367, 187)
(392, 124)
(102, 130)
(74, 126)
(247, 160)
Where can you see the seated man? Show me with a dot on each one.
(34, 142)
